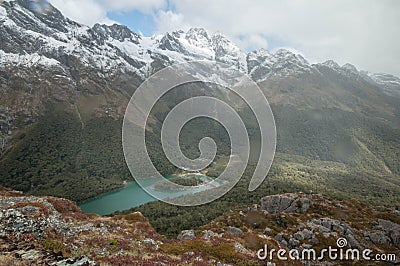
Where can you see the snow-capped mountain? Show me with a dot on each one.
(263, 64)
(32, 36)
(64, 88)
(389, 83)
(48, 37)
(45, 55)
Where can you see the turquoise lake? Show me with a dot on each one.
(131, 195)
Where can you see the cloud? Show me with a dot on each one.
(89, 12)
(145, 6)
(80, 10)
(363, 32)
(252, 41)
(168, 21)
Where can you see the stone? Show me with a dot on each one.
(290, 203)
(75, 262)
(29, 255)
(189, 253)
(392, 230)
(304, 234)
(353, 242)
(293, 242)
(306, 246)
(207, 234)
(308, 234)
(279, 237)
(378, 237)
(186, 234)
(267, 230)
(298, 236)
(149, 241)
(239, 247)
(314, 240)
(234, 230)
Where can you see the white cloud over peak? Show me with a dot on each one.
(168, 21)
(89, 12)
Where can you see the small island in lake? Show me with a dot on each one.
(186, 180)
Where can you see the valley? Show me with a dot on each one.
(64, 88)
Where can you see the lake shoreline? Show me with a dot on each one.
(121, 187)
(130, 195)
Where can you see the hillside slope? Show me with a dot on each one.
(48, 230)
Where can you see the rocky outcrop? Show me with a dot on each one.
(186, 234)
(285, 203)
(299, 221)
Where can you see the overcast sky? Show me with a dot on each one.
(362, 32)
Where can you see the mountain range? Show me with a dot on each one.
(65, 86)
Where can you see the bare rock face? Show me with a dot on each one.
(288, 203)
(390, 231)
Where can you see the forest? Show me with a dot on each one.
(330, 151)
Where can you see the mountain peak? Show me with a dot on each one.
(116, 31)
(198, 37)
(351, 68)
(331, 64)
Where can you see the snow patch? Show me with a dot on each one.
(27, 60)
(3, 12)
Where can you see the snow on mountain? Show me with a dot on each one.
(331, 64)
(263, 64)
(27, 60)
(108, 47)
(389, 83)
(48, 38)
(347, 70)
(227, 52)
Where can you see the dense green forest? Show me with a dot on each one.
(56, 156)
(330, 151)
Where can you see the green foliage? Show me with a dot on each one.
(54, 245)
(55, 156)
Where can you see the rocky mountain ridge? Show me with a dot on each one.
(45, 36)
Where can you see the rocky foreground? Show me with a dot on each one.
(53, 231)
